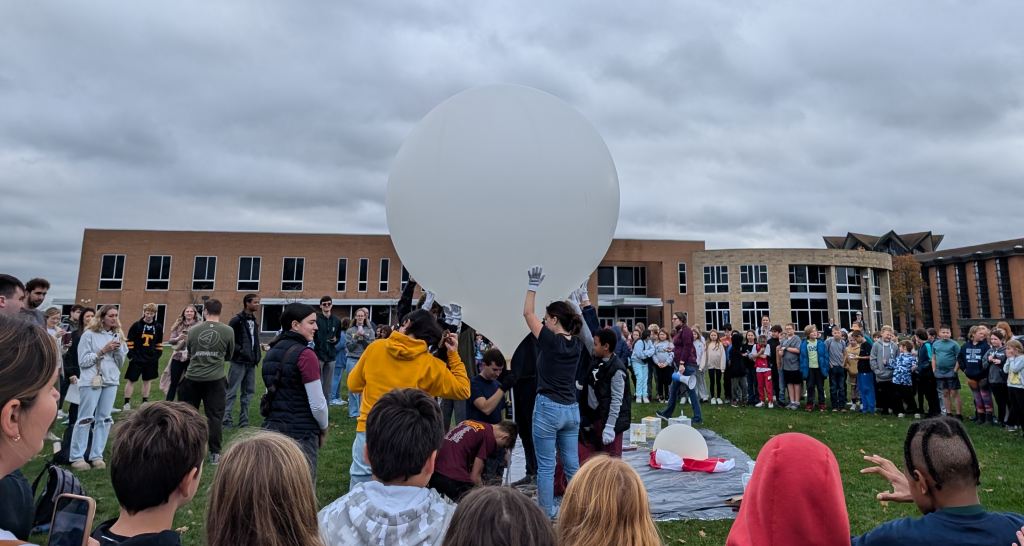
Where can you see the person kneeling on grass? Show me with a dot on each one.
(941, 477)
(403, 435)
(155, 468)
(465, 453)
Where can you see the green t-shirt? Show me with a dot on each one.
(812, 354)
(210, 344)
(945, 356)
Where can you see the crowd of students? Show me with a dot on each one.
(409, 467)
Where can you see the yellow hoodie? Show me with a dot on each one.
(401, 362)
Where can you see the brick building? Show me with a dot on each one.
(805, 286)
(969, 285)
(129, 268)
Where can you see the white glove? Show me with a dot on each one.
(574, 301)
(536, 274)
(428, 301)
(584, 295)
(453, 314)
(608, 434)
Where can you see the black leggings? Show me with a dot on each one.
(999, 392)
(715, 388)
(664, 382)
(177, 370)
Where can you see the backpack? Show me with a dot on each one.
(58, 482)
(63, 456)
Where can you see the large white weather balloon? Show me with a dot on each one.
(491, 182)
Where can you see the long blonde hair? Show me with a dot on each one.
(96, 324)
(606, 503)
(263, 495)
(181, 318)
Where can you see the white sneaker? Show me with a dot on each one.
(639, 400)
(647, 400)
(115, 410)
(127, 407)
(61, 414)
(51, 437)
(759, 405)
(771, 405)
(901, 416)
(714, 401)
(917, 416)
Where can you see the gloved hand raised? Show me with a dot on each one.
(536, 275)
(608, 434)
(508, 382)
(428, 302)
(453, 314)
(583, 294)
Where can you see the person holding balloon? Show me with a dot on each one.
(556, 413)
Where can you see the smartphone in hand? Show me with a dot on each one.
(72, 521)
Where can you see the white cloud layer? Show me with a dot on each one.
(740, 123)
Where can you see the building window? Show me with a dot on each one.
(271, 318)
(716, 314)
(963, 301)
(848, 280)
(876, 284)
(158, 276)
(752, 313)
(610, 316)
(716, 279)
(111, 272)
(848, 309)
(292, 274)
(927, 315)
(385, 274)
(807, 311)
(622, 281)
(682, 277)
(364, 274)
(342, 274)
(1005, 295)
(810, 279)
(753, 279)
(405, 277)
(161, 313)
(204, 272)
(249, 273)
(942, 289)
(981, 287)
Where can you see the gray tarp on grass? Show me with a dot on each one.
(679, 495)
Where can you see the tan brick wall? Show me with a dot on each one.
(321, 253)
(778, 261)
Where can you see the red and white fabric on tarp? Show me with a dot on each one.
(666, 460)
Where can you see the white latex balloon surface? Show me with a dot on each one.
(491, 182)
(683, 440)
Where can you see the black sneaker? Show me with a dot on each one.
(526, 480)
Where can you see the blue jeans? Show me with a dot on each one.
(783, 395)
(640, 371)
(866, 388)
(339, 373)
(837, 386)
(553, 424)
(752, 396)
(93, 411)
(676, 392)
(354, 400)
(360, 470)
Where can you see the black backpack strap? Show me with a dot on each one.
(280, 366)
(44, 472)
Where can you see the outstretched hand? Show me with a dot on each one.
(888, 470)
(536, 275)
(583, 293)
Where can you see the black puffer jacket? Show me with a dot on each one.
(289, 413)
(602, 383)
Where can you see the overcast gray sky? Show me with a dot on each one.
(740, 123)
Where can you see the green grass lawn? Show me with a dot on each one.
(849, 435)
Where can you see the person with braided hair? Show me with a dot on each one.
(941, 477)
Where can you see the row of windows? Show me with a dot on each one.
(810, 279)
(204, 273)
(718, 313)
(803, 311)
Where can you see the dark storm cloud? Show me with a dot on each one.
(739, 123)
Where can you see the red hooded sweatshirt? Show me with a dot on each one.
(794, 497)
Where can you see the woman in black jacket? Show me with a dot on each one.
(71, 369)
(291, 371)
(737, 369)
